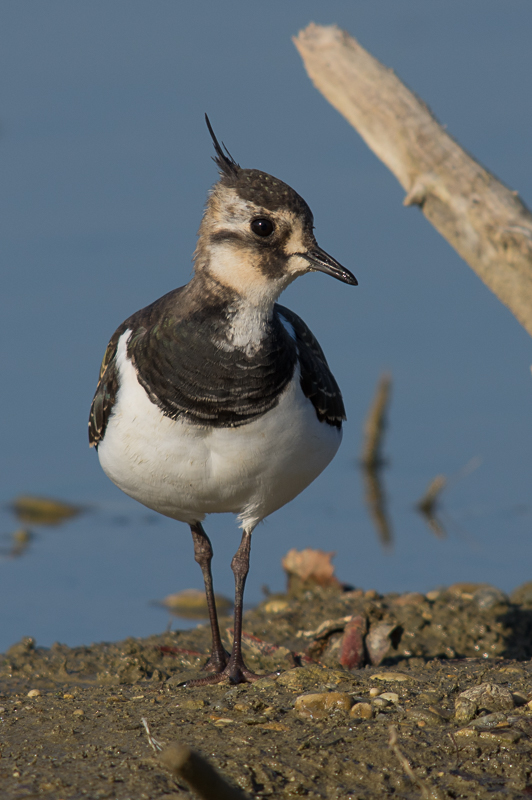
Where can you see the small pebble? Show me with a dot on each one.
(390, 676)
(489, 721)
(305, 678)
(34, 693)
(423, 717)
(502, 737)
(362, 711)
(374, 691)
(467, 733)
(409, 599)
(489, 596)
(322, 704)
(78, 712)
(465, 589)
(490, 696)
(391, 697)
(275, 606)
(192, 704)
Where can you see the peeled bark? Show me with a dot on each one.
(485, 222)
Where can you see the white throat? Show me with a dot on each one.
(248, 324)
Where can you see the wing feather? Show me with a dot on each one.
(317, 380)
(105, 395)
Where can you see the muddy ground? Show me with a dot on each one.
(447, 675)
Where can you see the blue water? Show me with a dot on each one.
(106, 165)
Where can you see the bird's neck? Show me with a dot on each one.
(246, 318)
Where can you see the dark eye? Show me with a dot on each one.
(262, 227)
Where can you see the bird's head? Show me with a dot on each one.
(256, 235)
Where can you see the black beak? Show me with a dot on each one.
(323, 262)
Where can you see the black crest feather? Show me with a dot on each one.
(224, 161)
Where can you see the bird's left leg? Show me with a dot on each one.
(203, 556)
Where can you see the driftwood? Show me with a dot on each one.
(485, 222)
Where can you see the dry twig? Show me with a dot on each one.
(201, 776)
(405, 764)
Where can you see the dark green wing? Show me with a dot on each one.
(317, 380)
(106, 390)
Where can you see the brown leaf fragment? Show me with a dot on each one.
(309, 566)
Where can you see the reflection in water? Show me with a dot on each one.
(435, 524)
(428, 505)
(20, 541)
(42, 510)
(375, 498)
(192, 604)
(35, 511)
(376, 423)
(372, 460)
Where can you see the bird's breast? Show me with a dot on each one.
(185, 470)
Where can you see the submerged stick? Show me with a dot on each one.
(199, 774)
(486, 223)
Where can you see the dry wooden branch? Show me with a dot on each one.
(199, 774)
(485, 222)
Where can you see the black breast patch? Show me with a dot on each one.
(190, 369)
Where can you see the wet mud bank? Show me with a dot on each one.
(402, 696)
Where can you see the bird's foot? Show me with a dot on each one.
(217, 662)
(234, 672)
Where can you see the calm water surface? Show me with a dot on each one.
(106, 166)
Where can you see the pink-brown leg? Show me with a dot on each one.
(235, 670)
(203, 556)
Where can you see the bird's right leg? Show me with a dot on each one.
(203, 556)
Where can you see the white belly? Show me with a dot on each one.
(185, 471)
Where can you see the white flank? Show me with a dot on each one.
(185, 471)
